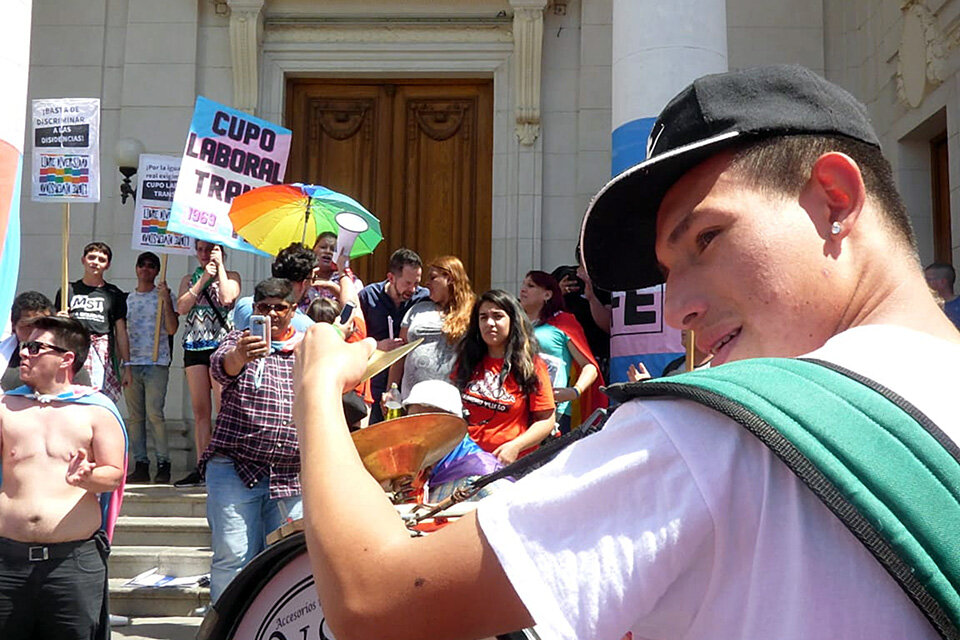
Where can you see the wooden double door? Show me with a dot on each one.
(416, 153)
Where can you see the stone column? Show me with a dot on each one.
(658, 49)
(246, 29)
(527, 55)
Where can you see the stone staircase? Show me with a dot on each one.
(160, 526)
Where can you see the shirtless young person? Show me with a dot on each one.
(768, 209)
(57, 456)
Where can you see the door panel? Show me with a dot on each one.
(418, 154)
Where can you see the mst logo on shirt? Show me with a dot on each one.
(487, 392)
(81, 303)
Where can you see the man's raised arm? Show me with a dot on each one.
(373, 579)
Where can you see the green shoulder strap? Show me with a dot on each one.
(885, 469)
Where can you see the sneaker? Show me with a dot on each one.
(193, 479)
(163, 473)
(119, 621)
(140, 473)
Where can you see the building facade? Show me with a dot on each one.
(475, 127)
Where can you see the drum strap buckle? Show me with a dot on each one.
(38, 554)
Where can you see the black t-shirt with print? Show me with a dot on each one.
(97, 308)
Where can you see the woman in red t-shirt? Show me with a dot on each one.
(504, 384)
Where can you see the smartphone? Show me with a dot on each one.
(260, 327)
(346, 313)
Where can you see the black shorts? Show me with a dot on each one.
(194, 358)
(53, 590)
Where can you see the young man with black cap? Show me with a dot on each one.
(767, 207)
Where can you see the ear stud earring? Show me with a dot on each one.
(835, 228)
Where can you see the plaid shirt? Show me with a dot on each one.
(255, 423)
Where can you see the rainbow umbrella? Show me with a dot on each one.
(272, 217)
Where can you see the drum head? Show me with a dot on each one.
(273, 598)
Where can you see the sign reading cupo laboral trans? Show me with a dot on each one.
(158, 180)
(66, 150)
(228, 152)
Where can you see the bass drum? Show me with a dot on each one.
(273, 598)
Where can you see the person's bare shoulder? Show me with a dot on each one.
(102, 417)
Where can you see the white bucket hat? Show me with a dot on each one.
(438, 394)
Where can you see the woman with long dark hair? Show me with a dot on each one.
(564, 347)
(440, 321)
(504, 384)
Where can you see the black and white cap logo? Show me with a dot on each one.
(655, 133)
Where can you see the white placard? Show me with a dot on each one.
(66, 150)
(157, 176)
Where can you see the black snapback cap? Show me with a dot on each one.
(714, 113)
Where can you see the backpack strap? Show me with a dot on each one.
(876, 461)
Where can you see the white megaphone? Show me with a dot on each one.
(351, 225)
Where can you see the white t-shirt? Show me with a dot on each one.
(676, 522)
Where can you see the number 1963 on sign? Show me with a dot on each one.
(202, 217)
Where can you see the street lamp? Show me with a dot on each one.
(127, 156)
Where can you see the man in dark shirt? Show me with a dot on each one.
(384, 305)
(102, 309)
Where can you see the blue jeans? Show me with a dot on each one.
(240, 519)
(145, 398)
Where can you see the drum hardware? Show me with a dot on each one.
(519, 468)
(407, 488)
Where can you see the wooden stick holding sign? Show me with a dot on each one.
(160, 303)
(65, 261)
(691, 350)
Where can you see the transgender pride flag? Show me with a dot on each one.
(14, 65)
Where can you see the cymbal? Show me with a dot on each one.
(380, 360)
(403, 446)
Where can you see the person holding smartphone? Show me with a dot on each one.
(252, 463)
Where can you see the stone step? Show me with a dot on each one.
(147, 500)
(148, 601)
(168, 628)
(180, 447)
(176, 531)
(130, 561)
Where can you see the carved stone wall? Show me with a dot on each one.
(920, 57)
(246, 28)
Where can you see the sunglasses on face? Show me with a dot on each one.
(265, 307)
(34, 347)
(148, 265)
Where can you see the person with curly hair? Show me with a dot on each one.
(441, 321)
(504, 383)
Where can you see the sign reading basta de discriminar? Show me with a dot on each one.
(66, 150)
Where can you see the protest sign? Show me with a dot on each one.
(158, 180)
(66, 150)
(228, 152)
(638, 333)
